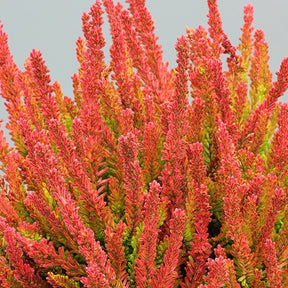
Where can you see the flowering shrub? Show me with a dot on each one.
(131, 185)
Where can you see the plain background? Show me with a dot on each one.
(53, 26)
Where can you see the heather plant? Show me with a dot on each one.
(148, 177)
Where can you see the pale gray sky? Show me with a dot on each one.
(53, 26)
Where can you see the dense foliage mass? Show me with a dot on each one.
(148, 177)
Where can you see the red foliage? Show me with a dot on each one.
(148, 177)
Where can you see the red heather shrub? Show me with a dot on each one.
(131, 185)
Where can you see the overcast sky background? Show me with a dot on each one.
(53, 26)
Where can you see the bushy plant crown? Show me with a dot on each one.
(148, 177)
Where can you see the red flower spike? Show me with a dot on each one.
(127, 82)
(115, 252)
(80, 48)
(221, 274)
(6, 208)
(23, 271)
(175, 145)
(152, 144)
(238, 69)
(279, 145)
(92, 64)
(167, 275)
(16, 193)
(271, 263)
(222, 95)
(241, 103)
(226, 154)
(144, 26)
(116, 198)
(145, 264)
(81, 180)
(181, 77)
(7, 279)
(279, 87)
(46, 256)
(158, 84)
(99, 270)
(198, 212)
(195, 117)
(246, 38)
(215, 27)
(49, 221)
(133, 184)
(268, 216)
(10, 88)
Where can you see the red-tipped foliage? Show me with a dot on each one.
(148, 177)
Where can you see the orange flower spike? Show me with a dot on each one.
(44, 252)
(38, 82)
(136, 49)
(7, 279)
(179, 103)
(173, 175)
(267, 107)
(4, 148)
(238, 65)
(260, 75)
(88, 85)
(80, 45)
(246, 42)
(199, 45)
